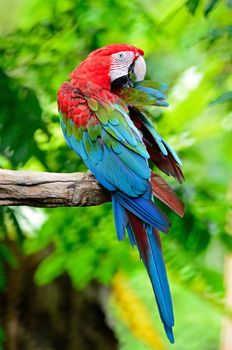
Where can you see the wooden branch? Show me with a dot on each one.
(41, 189)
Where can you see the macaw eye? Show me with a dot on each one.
(121, 56)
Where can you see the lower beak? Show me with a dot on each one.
(139, 69)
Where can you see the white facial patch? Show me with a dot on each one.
(120, 63)
(140, 68)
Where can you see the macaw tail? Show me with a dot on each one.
(142, 227)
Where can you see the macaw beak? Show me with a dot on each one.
(139, 69)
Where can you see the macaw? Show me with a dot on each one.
(104, 121)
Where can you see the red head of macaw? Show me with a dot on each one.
(103, 117)
(111, 64)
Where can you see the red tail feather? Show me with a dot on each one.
(140, 234)
(163, 192)
(157, 235)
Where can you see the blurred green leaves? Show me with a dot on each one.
(20, 117)
(84, 246)
(210, 6)
(192, 5)
(226, 97)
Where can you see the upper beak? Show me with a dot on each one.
(139, 68)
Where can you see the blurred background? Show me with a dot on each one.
(65, 281)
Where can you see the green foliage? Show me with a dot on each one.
(20, 118)
(186, 45)
(209, 7)
(192, 5)
(85, 246)
(2, 338)
(226, 97)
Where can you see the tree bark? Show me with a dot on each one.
(42, 189)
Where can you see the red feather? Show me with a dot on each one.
(163, 192)
(140, 234)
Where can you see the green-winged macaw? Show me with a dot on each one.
(104, 121)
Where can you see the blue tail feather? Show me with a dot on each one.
(146, 238)
(158, 276)
(144, 209)
(120, 219)
(131, 235)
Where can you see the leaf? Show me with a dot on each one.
(226, 97)
(81, 266)
(229, 3)
(217, 33)
(2, 277)
(192, 6)
(21, 116)
(227, 241)
(7, 255)
(20, 236)
(209, 7)
(50, 268)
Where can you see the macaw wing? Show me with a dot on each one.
(108, 143)
(145, 94)
(161, 153)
